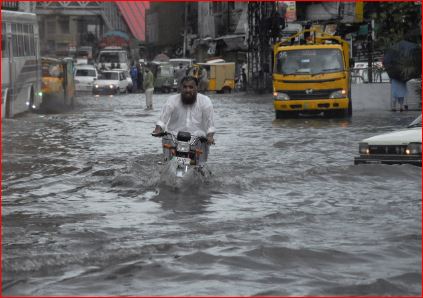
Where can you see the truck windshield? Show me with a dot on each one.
(310, 61)
(112, 57)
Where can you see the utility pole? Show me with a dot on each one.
(370, 51)
(259, 55)
(184, 51)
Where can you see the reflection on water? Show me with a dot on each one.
(311, 122)
(86, 210)
(191, 200)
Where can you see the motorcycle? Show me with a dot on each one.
(185, 156)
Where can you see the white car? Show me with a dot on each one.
(110, 82)
(398, 147)
(130, 83)
(84, 76)
(128, 78)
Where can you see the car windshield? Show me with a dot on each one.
(85, 73)
(417, 122)
(109, 76)
(314, 61)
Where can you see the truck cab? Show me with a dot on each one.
(110, 58)
(312, 76)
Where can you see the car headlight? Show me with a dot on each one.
(338, 94)
(77, 81)
(414, 149)
(112, 86)
(280, 96)
(363, 148)
(95, 86)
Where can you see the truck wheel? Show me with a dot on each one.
(31, 99)
(226, 90)
(349, 112)
(7, 108)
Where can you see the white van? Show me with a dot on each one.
(84, 76)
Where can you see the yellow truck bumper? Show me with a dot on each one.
(311, 105)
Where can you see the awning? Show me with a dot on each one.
(117, 33)
(134, 14)
(234, 42)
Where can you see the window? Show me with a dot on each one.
(4, 42)
(64, 25)
(85, 73)
(32, 45)
(51, 28)
(217, 7)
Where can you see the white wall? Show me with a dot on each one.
(377, 96)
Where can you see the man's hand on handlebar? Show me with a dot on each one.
(157, 132)
(210, 139)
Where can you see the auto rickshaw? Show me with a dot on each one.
(164, 77)
(219, 77)
(57, 83)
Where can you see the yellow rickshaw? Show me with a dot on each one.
(219, 77)
(58, 85)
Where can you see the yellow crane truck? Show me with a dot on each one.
(312, 75)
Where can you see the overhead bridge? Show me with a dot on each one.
(107, 10)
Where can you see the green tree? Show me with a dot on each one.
(395, 21)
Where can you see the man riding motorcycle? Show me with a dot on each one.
(188, 111)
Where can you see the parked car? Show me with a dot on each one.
(398, 147)
(110, 82)
(84, 76)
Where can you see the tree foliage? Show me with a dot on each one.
(395, 21)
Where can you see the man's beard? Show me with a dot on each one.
(188, 99)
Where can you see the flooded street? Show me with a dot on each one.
(285, 211)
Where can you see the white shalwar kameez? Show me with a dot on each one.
(198, 118)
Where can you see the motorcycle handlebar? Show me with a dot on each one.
(159, 134)
(165, 133)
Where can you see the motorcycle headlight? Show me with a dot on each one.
(363, 148)
(338, 94)
(414, 149)
(182, 147)
(280, 96)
